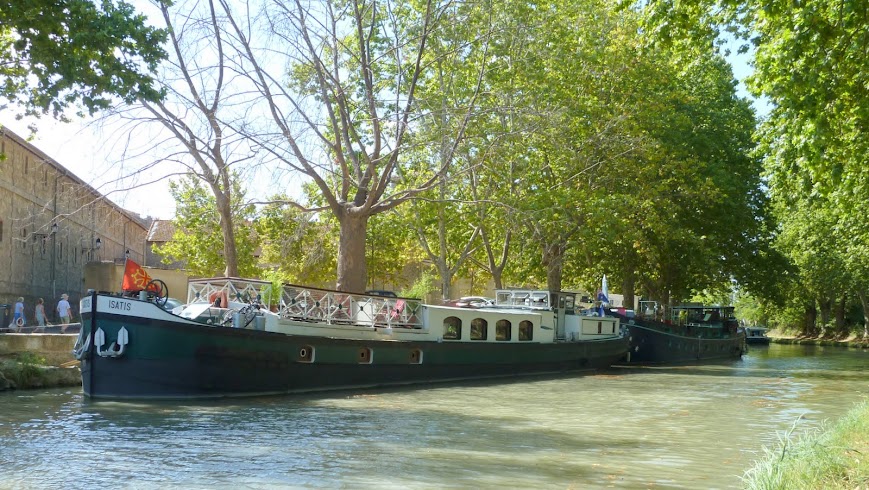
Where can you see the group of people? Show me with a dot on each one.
(64, 312)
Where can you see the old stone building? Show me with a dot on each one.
(52, 223)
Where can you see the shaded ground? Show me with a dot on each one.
(853, 341)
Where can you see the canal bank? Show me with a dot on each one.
(851, 342)
(832, 457)
(38, 360)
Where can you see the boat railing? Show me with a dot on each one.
(312, 304)
(335, 307)
(522, 298)
(236, 289)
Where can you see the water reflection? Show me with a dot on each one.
(673, 427)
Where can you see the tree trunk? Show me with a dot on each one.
(840, 314)
(864, 300)
(628, 284)
(230, 256)
(811, 319)
(826, 312)
(553, 259)
(665, 304)
(496, 266)
(352, 265)
(446, 281)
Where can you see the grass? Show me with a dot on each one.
(831, 457)
(27, 370)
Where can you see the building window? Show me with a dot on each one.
(479, 329)
(452, 328)
(526, 331)
(503, 330)
(1, 230)
(26, 164)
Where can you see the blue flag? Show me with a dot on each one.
(603, 294)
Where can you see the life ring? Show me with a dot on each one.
(19, 322)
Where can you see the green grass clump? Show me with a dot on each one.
(24, 369)
(831, 457)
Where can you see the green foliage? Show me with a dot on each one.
(300, 247)
(54, 54)
(271, 294)
(198, 239)
(392, 251)
(810, 63)
(424, 284)
(28, 371)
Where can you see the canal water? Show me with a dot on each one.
(667, 427)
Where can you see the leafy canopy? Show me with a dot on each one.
(58, 53)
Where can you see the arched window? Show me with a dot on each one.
(526, 331)
(503, 330)
(452, 328)
(479, 329)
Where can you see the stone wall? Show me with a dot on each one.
(38, 259)
(55, 348)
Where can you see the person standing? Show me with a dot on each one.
(18, 319)
(64, 311)
(40, 313)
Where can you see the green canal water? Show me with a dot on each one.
(668, 427)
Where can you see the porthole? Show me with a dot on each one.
(416, 356)
(364, 356)
(306, 354)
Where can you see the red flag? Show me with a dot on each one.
(135, 278)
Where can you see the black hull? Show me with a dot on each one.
(652, 343)
(177, 360)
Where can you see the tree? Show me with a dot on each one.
(343, 118)
(198, 238)
(810, 62)
(55, 54)
(299, 247)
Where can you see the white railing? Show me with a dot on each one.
(312, 304)
(236, 289)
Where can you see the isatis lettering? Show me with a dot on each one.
(120, 305)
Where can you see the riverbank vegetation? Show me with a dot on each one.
(832, 457)
(27, 370)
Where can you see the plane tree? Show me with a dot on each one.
(198, 238)
(338, 85)
(686, 209)
(297, 246)
(810, 63)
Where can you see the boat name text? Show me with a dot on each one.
(120, 305)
